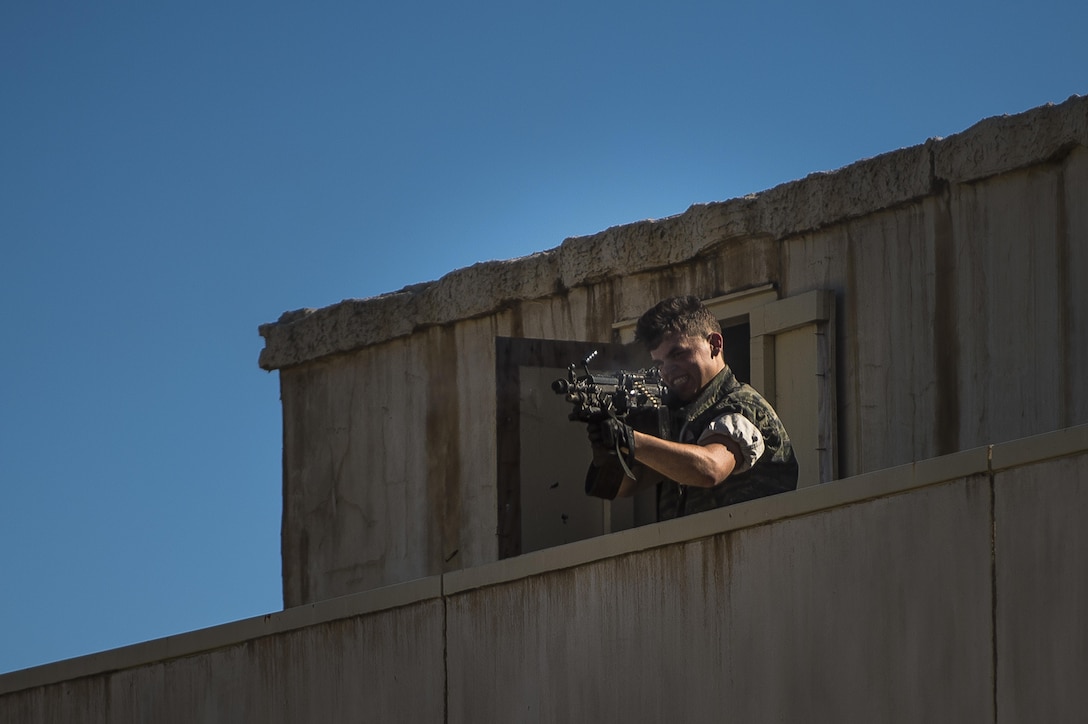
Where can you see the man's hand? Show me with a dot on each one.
(611, 434)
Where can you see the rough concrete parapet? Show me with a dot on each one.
(482, 288)
(650, 244)
(1006, 143)
(861, 188)
(993, 146)
(308, 334)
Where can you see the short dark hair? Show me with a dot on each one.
(685, 315)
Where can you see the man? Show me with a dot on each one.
(723, 443)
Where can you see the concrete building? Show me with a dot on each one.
(918, 319)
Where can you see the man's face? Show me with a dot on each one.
(688, 363)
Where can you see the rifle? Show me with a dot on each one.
(634, 398)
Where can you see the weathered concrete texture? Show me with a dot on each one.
(387, 666)
(880, 613)
(888, 404)
(340, 493)
(1006, 301)
(952, 589)
(1072, 272)
(990, 147)
(862, 188)
(1042, 591)
(960, 317)
(1005, 143)
(364, 506)
(78, 701)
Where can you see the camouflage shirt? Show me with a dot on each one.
(774, 472)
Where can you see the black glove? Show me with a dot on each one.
(612, 435)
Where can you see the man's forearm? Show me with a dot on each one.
(703, 466)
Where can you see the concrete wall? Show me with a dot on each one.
(376, 656)
(951, 589)
(956, 268)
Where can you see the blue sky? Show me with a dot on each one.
(173, 175)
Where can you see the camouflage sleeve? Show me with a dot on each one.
(738, 428)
